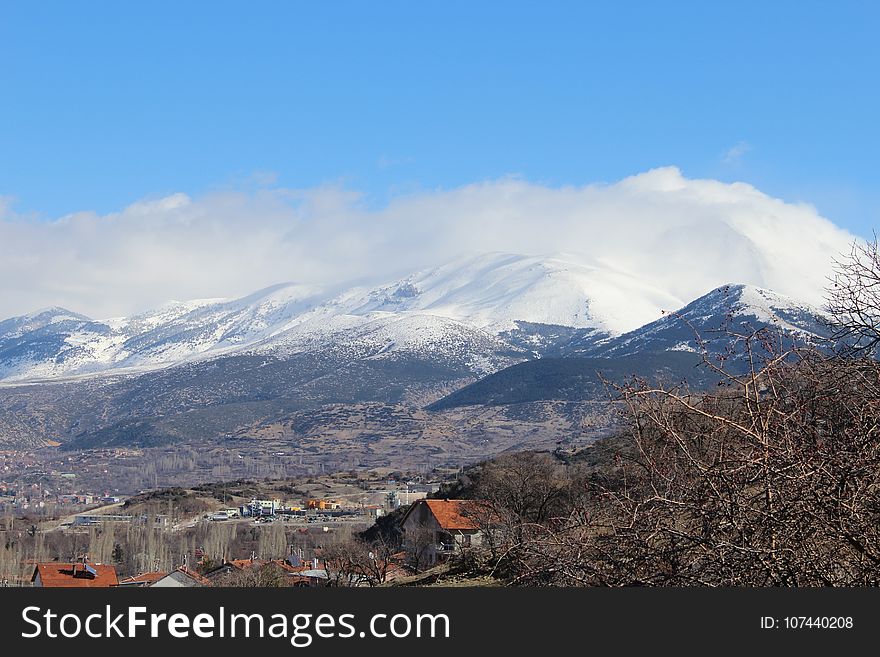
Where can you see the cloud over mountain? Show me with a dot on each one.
(681, 235)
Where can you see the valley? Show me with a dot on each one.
(338, 438)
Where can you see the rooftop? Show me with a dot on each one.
(55, 574)
(462, 515)
(144, 579)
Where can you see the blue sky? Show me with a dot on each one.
(105, 103)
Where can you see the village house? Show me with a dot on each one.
(55, 574)
(142, 580)
(181, 577)
(309, 577)
(434, 529)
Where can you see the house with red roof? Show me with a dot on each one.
(434, 529)
(56, 574)
(143, 579)
(181, 577)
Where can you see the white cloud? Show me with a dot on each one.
(682, 235)
(6, 204)
(735, 153)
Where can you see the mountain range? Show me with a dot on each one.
(217, 366)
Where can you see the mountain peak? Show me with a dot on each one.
(38, 319)
(739, 306)
(496, 290)
(767, 305)
(53, 312)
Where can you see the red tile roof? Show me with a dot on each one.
(461, 515)
(193, 575)
(241, 564)
(143, 578)
(55, 574)
(286, 567)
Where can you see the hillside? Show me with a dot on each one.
(575, 379)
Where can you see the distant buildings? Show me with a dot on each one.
(88, 520)
(260, 507)
(322, 505)
(373, 511)
(76, 498)
(224, 514)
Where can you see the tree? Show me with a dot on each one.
(259, 575)
(529, 485)
(352, 562)
(420, 544)
(854, 299)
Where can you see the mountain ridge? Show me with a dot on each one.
(522, 306)
(437, 340)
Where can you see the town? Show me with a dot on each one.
(308, 532)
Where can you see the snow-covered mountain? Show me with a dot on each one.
(481, 313)
(55, 342)
(495, 291)
(478, 331)
(714, 319)
(670, 348)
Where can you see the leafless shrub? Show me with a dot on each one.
(268, 575)
(352, 562)
(772, 479)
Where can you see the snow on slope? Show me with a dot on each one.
(18, 326)
(494, 291)
(743, 308)
(458, 312)
(385, 335)
(173, 333)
